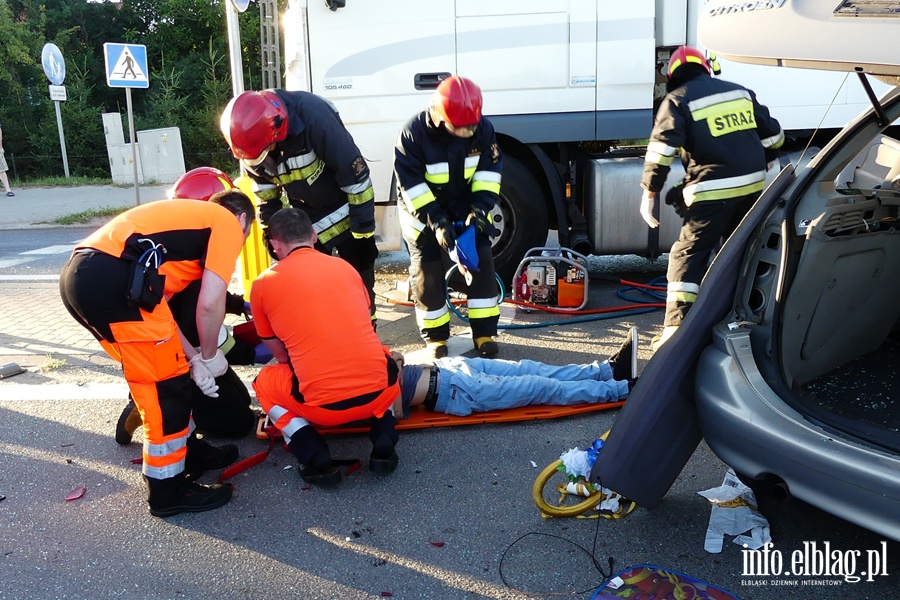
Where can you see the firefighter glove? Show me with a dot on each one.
(482, 222)
(648, 207)
(366, 252)
(445, 234)
(217, 365)
(203, 378)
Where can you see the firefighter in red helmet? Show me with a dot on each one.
(295, 143)
(724, 137)
(448, 164)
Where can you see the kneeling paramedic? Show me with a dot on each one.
(117, 284)
(312, 311)
(448, 165)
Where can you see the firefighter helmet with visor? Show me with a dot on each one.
(200, 184)
(252, 122)
(685, 55)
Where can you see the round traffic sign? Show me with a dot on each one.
(54, 65)
(240, 5)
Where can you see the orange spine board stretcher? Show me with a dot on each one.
(422, 418)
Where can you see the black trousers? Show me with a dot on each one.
(706, 225)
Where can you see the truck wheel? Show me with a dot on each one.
(520, 217)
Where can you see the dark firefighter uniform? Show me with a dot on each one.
(325, 175)
(723, 134)
(438, 172)
(93, 287)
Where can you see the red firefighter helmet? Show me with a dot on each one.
(684, 55)
(457, 101)
(200, 184)
(252, 122)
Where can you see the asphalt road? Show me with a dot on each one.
(456, 520)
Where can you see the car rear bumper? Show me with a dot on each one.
(755, 432)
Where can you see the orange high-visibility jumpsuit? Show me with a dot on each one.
(93, 284)
(318, 307)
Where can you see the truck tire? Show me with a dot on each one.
(520, 216)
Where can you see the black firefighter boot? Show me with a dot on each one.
(169, 497)
(314, 457)
(202, 457)
(129, 421)
(383, 434)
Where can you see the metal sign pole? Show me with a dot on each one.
(234, 49)
(137, 189)
(62, 139)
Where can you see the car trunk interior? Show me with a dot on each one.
(839, 349)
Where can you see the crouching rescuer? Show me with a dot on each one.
(117, 284)
(448, 165)
(312, 311)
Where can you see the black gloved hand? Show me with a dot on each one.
(482, 222)
(267, 209)
(366, 252)
(445, 234)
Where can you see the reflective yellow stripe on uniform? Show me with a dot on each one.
(486, 181)
(773, 141)
(306, 167)
(659, 153)
(482, 308)
(430, 319)
(682, 291)
(437, 173)
(417, 196)
(410, 227)
(359, 193)
(265, 191)
(723, 189)
(333, 224)
(471, 164)
(725, 113)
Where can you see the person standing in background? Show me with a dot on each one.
(4, 167)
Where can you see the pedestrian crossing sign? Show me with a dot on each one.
(126, 65)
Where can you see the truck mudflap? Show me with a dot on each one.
(657, 430)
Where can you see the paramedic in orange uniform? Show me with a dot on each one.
(312, 311)
(189, 240)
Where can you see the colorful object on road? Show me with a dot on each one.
(76, 493)
(576, 465)
(649, 582)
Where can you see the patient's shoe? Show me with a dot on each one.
(624, 360)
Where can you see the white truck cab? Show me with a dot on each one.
(569, 86)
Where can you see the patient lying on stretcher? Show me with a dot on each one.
(461, 386)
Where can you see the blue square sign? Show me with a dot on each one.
(126, 65)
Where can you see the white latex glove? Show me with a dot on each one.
(648, 207)
(217, 365)
(203, 378)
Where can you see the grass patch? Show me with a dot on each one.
(58, 181)
(88, 215)
(51, 364)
